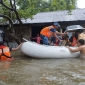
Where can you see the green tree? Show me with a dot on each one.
(7, 8)
(35, 6)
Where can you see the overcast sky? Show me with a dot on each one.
(81, 3)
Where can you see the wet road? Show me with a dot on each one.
(29, 71)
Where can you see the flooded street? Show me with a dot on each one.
(29, 71)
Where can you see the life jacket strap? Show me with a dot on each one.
(4, 54)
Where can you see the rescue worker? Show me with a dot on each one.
(47, 32)
(5, 51)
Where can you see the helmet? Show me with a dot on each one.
(56, 24)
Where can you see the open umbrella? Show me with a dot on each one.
(73, 28)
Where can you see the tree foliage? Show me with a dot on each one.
(31, 7)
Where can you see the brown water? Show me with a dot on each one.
(29, 71)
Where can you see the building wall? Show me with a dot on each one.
(26, 31)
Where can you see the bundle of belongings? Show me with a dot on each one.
(81, 36)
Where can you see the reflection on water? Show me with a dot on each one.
(29, 71)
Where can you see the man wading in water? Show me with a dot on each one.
(81, 48)
(5, 53)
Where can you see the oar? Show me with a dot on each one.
(25, 39)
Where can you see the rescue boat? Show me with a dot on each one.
(35, 50)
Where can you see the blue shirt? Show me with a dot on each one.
(53, 30)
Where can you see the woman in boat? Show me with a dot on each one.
(73, 39)
(81, 48)
(47, 32)
(5, 51)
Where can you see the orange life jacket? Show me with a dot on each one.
(46, 31)
(5, 53)
(74, 41)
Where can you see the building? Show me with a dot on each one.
(40, 20)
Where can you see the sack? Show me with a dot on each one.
(81, 36)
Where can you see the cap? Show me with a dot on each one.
(56, 24)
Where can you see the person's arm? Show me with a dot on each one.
(15, 49)
(54, 33)
(56, 36)
(74, 50)
(60, 33)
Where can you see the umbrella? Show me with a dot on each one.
(73, 28)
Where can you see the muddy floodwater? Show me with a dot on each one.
(30, 71)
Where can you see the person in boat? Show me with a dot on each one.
(38, 39)
(73, 39)
(65, 41)
(5, 51)
(47, 32)
(81, 48)
(55, 42)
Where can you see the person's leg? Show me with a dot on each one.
(44, 40)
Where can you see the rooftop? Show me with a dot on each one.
(57, 16)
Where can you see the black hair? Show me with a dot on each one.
(81, 41)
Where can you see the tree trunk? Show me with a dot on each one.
(10, 30)
(13, 8)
